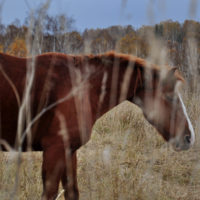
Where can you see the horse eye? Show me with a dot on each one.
(170, 99)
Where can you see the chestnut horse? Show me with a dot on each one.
(50, 102)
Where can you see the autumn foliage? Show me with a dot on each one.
(58, 34)
(133, 44)
(17, 48)
(1, 48)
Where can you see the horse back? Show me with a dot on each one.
(51, 82)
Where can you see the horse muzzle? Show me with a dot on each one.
(182, 143)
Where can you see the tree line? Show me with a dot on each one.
(44, 33)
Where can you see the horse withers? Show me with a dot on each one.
(50, 102)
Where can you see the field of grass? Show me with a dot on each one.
(124, 159)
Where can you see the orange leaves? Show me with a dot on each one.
(75, 41)
(135, 45)
(1, 47)
(17, 48)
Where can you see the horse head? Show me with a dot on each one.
(163, 107)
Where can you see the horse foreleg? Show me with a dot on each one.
(52, 169)
(69, 179)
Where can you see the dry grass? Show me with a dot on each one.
(125, 159)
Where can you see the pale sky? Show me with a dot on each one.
(105, 13)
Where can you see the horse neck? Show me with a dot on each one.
(147, 90)
(109, 91)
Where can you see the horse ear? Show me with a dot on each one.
(170, 74)
(170, 78)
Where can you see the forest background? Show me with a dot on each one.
(58, 34)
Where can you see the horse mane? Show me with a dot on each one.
(140, 65)
(110, 57)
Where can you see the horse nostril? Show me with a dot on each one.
(187, 139)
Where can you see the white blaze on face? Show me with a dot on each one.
(188, 120)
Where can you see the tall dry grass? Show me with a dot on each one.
(124, 159)
(127, 159)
